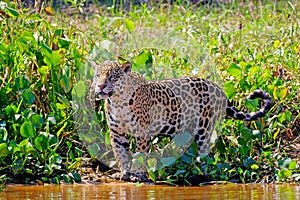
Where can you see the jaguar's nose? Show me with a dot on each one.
(102, 86)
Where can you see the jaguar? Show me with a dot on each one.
(145, 109)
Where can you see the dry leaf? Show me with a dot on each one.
(49, 11)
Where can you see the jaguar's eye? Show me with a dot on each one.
(111, 78)
(97, 76)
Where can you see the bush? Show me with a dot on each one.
(244, 49)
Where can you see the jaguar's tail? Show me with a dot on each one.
(267, 104)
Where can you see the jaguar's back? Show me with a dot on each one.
(192, 105)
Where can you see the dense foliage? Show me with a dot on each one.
(242, 47)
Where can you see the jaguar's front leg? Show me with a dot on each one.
(139, 171)
(120, 147)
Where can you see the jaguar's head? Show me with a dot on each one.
(108, 76)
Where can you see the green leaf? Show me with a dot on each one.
(3, 52)
(152, 163)
(34, 17)
(213, 172)
(285, 173)
(180, 171)
(283, 93)
(27, 130)
(129, 25)
(152, 175)
(286, 116)
(93, 150)
(24, 144)
(220, 146)
(275, 93)
(293, 165)
(244, 85)
(3, 150)
(186, 159)
(52, 140)
(55, 159)
(28, 96)
(79, 89)
(71, 155)
(107, 138)
(276, 133)
(234, 70)
(43, 70)
(254, 70)
(229, 89)
(69, 144)
(240, 170)
(27, 36)
(167, 161)
(193, 150)
(61, 106)
(138, 159)
(41, 142)
(144, 58)
(182, 139)
(254, 167)
(65, 83)
(37, 120)
(284, 163)
(251, 103)
(3, 134)
(55, 58)
(75, 176)
(46, 49)
(29, 171)
(55, 180)
(58, 33)
(61, 129)
(79, 152)
(64, 43)
(67, 178)
(44, 179)
(22, 82)
(249, 162)
(12, 12)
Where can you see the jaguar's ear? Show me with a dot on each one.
(126, 67)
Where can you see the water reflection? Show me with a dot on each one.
(152, 192)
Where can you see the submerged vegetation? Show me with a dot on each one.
(242, 46)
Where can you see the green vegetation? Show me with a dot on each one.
(243, 47)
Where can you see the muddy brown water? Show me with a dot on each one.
(151, 192)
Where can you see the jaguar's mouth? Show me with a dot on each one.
(104, 95)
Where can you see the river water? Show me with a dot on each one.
(151, 192)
